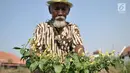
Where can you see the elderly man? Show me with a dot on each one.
(59, 36)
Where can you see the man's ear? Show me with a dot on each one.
(68, 11)
(49, 8)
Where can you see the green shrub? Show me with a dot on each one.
(48, 63)
(128, 66)
(71, 64)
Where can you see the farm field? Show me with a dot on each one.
(12, 70)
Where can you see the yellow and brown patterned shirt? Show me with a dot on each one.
(59, 41)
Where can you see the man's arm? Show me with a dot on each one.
(77, 43)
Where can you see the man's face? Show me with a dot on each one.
(59, 12)
(59, 9)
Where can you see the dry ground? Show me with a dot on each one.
(11, 70)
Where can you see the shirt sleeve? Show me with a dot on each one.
(76, 37)
(37, 41)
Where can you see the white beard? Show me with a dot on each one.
(58, 23)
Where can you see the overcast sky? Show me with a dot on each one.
(102, 23)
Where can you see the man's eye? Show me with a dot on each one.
(57, 8)
(63, 9)
(60, 8)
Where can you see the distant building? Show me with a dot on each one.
(10, 60)
(97, 52)
(125, 52)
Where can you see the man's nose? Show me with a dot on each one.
(60, 13)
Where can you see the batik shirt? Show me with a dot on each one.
(59, 41)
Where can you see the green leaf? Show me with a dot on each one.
(22, 51)
(27, 53)
(57, 68)
(86, 71)
(41, 64)
(124, 70)
(71, 71)
(67, 63)
(75, 56)
(102, 66)
(28, 63)
(17, 48)
(78, 65)
(33, 66)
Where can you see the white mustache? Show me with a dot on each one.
(60, 17)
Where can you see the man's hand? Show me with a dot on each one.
(79, 49)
